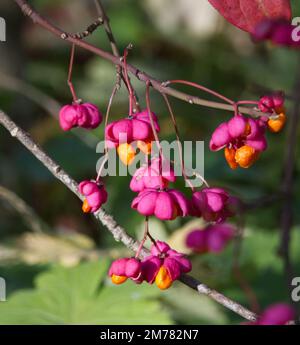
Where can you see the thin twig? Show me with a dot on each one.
(110, 36)
(70, 72)
(154, 132)
(146, 233)
(127, 81)
(107, 27)
(108, 221)
(142, 76)
(200, 87)
(89, 30)
(111, 98)
(115, 50)
(32, 220)
(180, 153)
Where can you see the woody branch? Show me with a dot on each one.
(140, 75)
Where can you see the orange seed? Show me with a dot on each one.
(118, 279)
(245, 156)
(163, 279)
(86, 208)
(276, 125)
(126, 153)
(230, 157)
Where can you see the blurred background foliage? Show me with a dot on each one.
(58, 274)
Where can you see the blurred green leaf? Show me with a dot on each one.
(188, 307)
(81, 295)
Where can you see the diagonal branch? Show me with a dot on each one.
(142, 76)
(108, 221)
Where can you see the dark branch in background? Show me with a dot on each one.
(38, 97)
(108, 221)
(261, 202)
(29, 216)
(106, 24)
(46, 102)
(111, 39)
(288, 186)
(142, 76)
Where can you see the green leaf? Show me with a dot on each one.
(82, 295)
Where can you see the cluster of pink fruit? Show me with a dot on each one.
(163, 266)
(242, 138)
(155, 198)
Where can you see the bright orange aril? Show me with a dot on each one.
(163, 279)
(118, 279)
(245, 156)
(86, 208)
(126, 153)
(276, 125)
(230, 157)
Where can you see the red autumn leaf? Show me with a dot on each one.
(246, 14)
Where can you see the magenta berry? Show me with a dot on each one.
(94, 116)
(164, 265)
(122, 269)
(197, 241)
(278, 99)
(84, 115)
(163, 204)
(243, 140)
(282, 34)
(68, 117)
(134, 128)
(278, 31)
(211, 239)
(277, 315)
(237, 132)
(156, 175)
(95, 195)
(266, 104)
(272, 103)
(213, 204)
